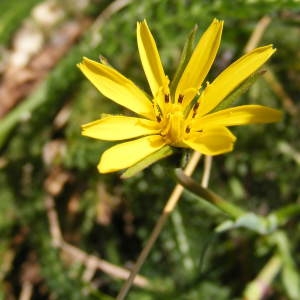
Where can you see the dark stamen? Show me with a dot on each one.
(167, 98)
(187, 130)
(196, 106)
(158, 119)
(180, 98)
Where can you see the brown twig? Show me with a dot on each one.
(278, 89)
(110, 10)
(55, 231)
(26, 291)
(100, 264)
(257, 33)
(91, 262)
(207, 170)
(269, 76)
(19, 81)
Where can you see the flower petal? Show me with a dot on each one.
(200, 62)
(150, 59)
(127, 154)
(232, 76)
(116, 128)
(117, 87)
(213, 141)
(240, 115)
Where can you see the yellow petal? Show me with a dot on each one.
(232, 76)
(213, 141)
(127, 154)
(150, 59)
(116, 128)
(116, 87)
(240, 115)
(200, 62)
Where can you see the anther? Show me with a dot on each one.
(158, 119)
(180, 98)
(167, 98)
(187, 130)
(196, 106)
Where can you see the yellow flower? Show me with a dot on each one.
(183, 117)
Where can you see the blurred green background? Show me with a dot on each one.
(48, 175)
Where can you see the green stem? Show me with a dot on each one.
(257, 288)
(206, 194)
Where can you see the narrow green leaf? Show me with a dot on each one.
(191, 185)
(290, 276)
(291, 281)
(146, 162)
(184, 59)
(241, 89)
(286, 213)
(250, 221)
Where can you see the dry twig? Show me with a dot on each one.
(91, 262)
(269, 76)
(170, 205)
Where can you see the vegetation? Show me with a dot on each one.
(68, 232)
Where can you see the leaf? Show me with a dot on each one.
(184, 59)
(286, 213)
(146, 162)
(241, 89)
(250, 221)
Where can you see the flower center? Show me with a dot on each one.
(172, 124)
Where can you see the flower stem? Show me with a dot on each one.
(170, 205)
(207, 171)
